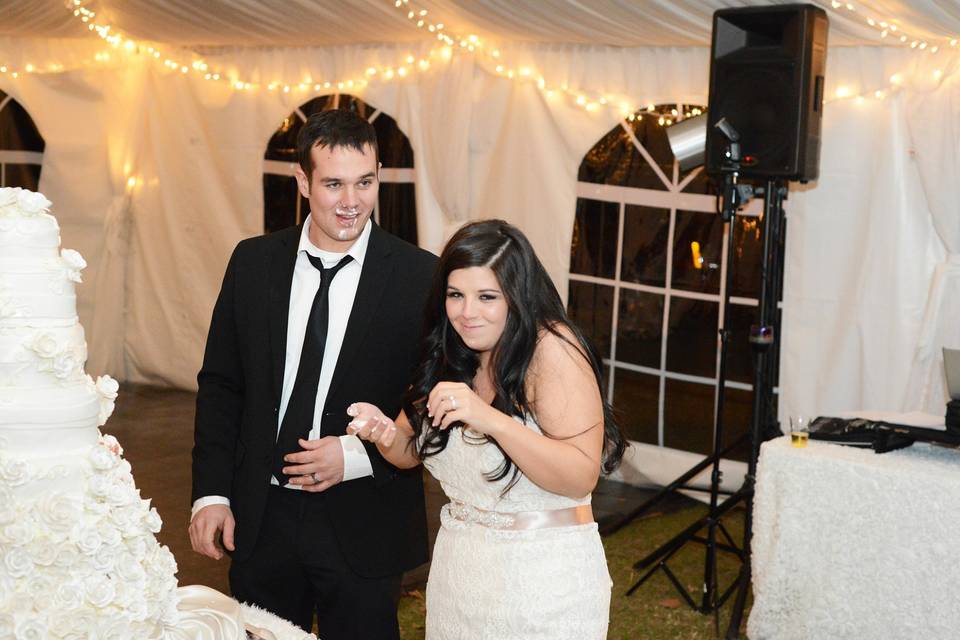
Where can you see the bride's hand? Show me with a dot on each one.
(370, 424)
(451, 402)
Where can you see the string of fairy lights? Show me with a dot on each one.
(889, 28)
(448, 44)
(594, 101)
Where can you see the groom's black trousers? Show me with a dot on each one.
(297, 568)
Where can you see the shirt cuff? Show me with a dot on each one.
(206, 501)
(356, 462)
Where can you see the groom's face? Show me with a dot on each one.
(342, 191)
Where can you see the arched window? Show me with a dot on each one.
(646, 271)
(21, 146)
(396, 209)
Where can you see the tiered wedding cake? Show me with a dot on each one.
(78, 556)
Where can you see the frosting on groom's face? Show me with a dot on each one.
(342, 192)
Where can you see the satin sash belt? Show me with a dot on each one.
(521, 520)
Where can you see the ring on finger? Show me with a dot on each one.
(453, 402)
(315, 478)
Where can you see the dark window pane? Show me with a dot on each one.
(283, 143)
(315, 105)
(639, 328)
(692, 337)
(737, 407)
(701, 183)
(615, 160)
(746, 261)
(17, 130)
(397, 207)
(645, 231)
(688, 415)
(591, 307)
(280, 196)
(395, 149)
(635, 403)
(594, 248)
(304, 208)
(353, 103)
(26, 176)
(696, 267)
(653, 138)
(337, 101)
(740, 354)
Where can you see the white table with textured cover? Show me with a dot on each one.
(852, 544)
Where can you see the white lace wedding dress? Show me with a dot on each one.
(489, 581)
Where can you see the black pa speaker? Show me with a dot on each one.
(766, 79)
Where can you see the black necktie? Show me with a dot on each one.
(298, 418)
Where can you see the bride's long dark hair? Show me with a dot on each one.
(534, 306)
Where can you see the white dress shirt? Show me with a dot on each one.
(343, 290)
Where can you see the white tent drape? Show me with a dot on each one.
(871, 283)
(934, 124)
(861, 249)
(622, 23)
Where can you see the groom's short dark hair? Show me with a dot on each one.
(334, 128)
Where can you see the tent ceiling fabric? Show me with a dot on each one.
(625, 23)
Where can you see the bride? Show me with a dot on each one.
(506, 412)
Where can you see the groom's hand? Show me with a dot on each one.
(210, 521)
(319, 466)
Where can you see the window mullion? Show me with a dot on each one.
(615, 311)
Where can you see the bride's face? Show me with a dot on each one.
(476, 307)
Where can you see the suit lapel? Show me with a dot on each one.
(373, 278)
(280, 277)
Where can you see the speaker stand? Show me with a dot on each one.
(763, 422)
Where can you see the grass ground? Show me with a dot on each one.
(655, 611)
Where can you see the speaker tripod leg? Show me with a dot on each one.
(764, 409)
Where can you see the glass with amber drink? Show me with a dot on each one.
(799, 430)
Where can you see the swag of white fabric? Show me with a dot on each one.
(156, 175)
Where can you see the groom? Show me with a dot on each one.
(309, 320)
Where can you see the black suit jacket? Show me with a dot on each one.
(379, 521)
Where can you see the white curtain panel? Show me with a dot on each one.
(443, 119)
(934, 125)
(861, 250)
(869, 244)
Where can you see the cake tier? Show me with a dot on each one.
(17, 255)
(47, 466)
(28, 236)
(78, 547)
(33, 357)
(80, 558)
(20, 441)
(38, 293)
(51, 409)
